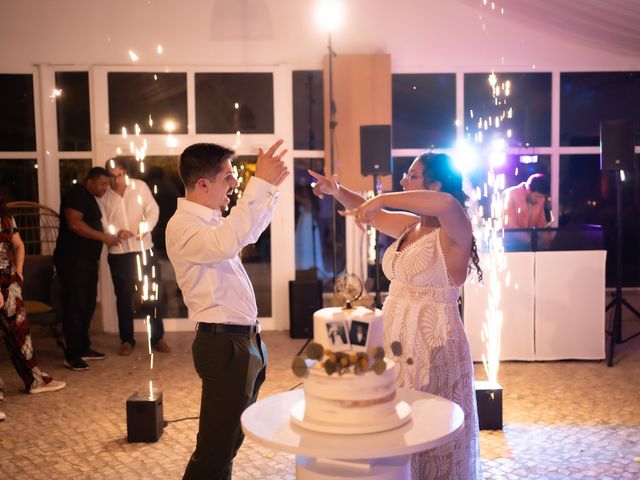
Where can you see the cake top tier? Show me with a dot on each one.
(357, 329)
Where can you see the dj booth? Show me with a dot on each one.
(552, 296)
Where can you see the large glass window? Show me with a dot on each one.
(17, 118)
(313, 227)
(528, 101)
(73, 113)
(424, 110)
(588, 196)
(156, 102)
(308, 110)
(19, 180)
(232, 102)
(72, 171)
(399, 166)
(587, 98)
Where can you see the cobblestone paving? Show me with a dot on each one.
(563, 420)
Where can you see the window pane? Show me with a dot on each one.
(587, 98)
(156, 102)
(19, 180)
(588, 196)
(17, 118)
(308, 110)
(161, 175)
(313, 230)
(424, 110)
(231, 102)
(72, 171)
(399, 166)
(256, 258)
(529, 100)
(72, 109)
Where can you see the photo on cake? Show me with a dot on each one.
(359, 335)
(337, 335)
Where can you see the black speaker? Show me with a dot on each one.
(305, 297)
(144, 417)
(616, 145)
(375, 150)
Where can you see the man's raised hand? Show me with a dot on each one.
(269, 166)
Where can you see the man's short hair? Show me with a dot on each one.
(202, 160)
(539, 182)
(96, 172)
(114, 163)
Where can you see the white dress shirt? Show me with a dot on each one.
(136, 211)
(204, 247)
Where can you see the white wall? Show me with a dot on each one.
(421, 35)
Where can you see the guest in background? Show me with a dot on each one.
(131, 211)
(76, 257)
(203, 246)
(13, 316)
(524, 204)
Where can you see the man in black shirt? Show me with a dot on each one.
(77, 253)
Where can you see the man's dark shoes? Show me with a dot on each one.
(125, 349)
(76, 364)
(92, 355)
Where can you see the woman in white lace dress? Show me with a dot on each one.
(427, 264)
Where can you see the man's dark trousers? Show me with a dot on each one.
(79, 279)
(232, 367)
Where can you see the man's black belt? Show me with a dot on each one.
(226, 328)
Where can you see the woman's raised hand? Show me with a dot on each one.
(365, 212)
(324, 186)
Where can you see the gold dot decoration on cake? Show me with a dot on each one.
(299, 367)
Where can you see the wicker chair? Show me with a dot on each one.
(38, 226)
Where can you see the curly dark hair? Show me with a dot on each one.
(439, 167)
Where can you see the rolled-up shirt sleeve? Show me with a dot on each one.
(199, 243)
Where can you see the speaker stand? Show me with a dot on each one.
(618, 301)
(304, 346)
(377, 301)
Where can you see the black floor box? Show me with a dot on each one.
(144, 417)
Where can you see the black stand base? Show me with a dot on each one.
(615, 333)
(144, 417)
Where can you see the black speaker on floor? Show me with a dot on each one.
(375, 150)
(617, 145)
(144, 417)
(305, 297)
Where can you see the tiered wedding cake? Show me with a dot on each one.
(349, 386)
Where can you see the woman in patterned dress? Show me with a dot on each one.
(14, 327)
(427, 264)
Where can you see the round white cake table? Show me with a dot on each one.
(373, 456)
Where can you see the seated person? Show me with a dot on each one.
(524, 204)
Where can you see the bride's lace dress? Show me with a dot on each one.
(421, 312)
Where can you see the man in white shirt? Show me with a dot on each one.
(204, 248)
(131, 211)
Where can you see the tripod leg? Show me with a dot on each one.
(631, 307)
(304, 346)
(610, 304)
(616, 332)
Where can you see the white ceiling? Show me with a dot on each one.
(608, 24)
